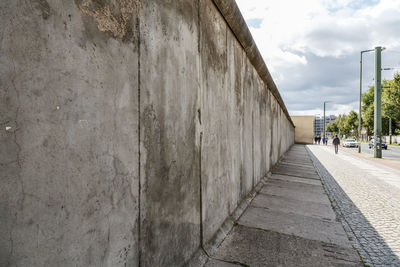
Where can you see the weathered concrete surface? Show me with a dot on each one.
(235, 103)
(218, 263)
(294, 224)
(254, 247)
(289, 223)
(69, 176)
(130, 130)
(290, 205)
(169, 164)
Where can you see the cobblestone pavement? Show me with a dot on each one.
(366, 197)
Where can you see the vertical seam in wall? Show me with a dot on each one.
(139, 136)
(271, 125)
(201, 132)
(198, 27)
(201, 195)
(252, 143)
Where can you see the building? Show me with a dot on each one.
(319, 123)
(304, 131)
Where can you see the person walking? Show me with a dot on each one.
(336, 143)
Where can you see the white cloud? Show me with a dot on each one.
(312, 47)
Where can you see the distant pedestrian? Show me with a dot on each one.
(323, 140)
(326, 140)
(315, 139)
(336, 143)
(319, 139)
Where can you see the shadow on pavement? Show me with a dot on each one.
(369, 243)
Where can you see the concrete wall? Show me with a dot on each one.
(304, 131)
(130, 130)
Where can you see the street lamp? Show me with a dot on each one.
(359, 113)
(378, 104)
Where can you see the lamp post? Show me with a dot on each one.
(378, 104)
(359, 113)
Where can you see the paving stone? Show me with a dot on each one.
(367, 205)
(295, 224)
(253, 247)
(297, 173)
(310, 196)
(290, 205)
(303, 187)
(295, 179)
(290, 222)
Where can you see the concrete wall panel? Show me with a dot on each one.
(130, 130)
(215, 108)
(169, 85)
(69, 93)
(247, 142)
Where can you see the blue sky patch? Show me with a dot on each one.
(254, 23)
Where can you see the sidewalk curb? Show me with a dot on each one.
(325, 176)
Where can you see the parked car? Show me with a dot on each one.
(371, 144)
(350, 143)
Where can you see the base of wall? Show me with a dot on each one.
(206, 252)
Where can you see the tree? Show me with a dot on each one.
(368, 109)
(341, 122)
(332, 127)
(390, 106)
(391, 102)
(351, 123)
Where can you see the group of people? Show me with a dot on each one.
(335, 141)
(317, 140)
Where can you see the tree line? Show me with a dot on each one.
(348, 124)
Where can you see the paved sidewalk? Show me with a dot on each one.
(366, 195)
(290, 222)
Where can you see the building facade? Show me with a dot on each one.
(319, 124)
(304, 126)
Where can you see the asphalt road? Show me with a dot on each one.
(393, 152)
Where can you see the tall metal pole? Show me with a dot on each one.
(378, 105)
(324, 121)
(359, 112)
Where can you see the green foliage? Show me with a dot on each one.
(391, 98)
(345, 124)
(367, 109)
(351, 122)
(390, 106)
(332, 127)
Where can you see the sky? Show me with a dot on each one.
(312, 48)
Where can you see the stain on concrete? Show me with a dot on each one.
(44, 7)
(213, 33)
(84, 153)
(116, 19)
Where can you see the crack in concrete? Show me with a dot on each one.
(18, 159)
